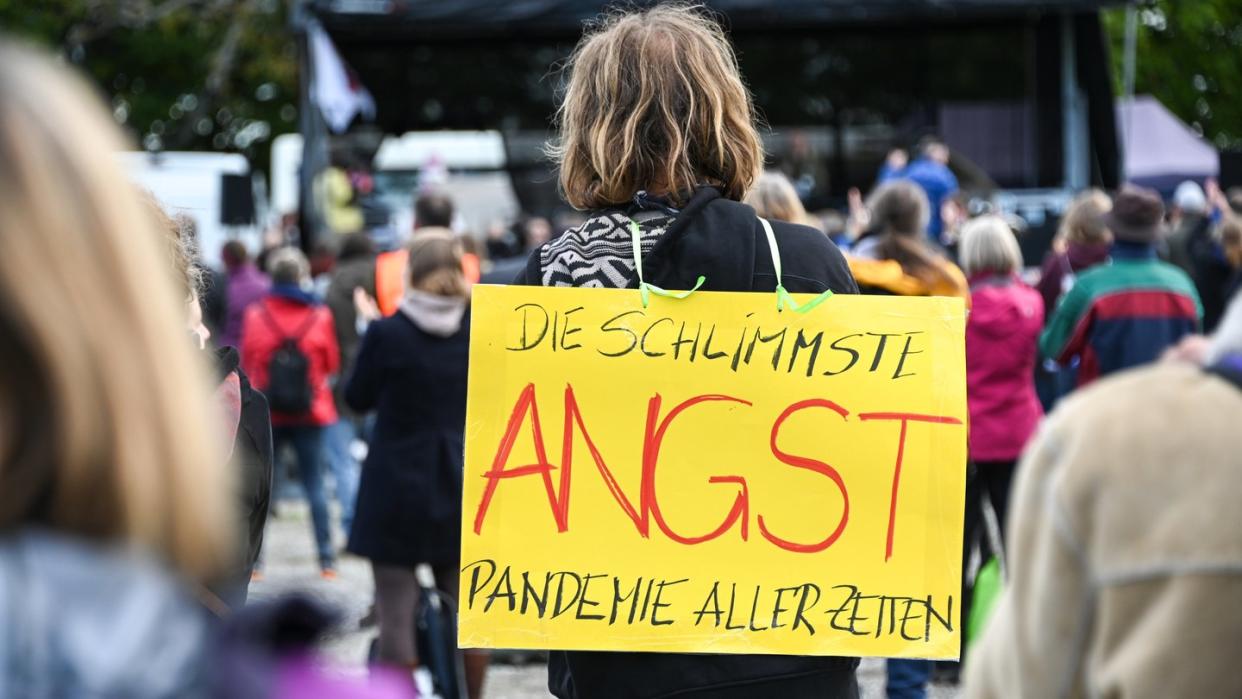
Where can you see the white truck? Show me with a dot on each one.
(216, 190)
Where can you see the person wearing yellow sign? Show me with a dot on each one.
(658, 142)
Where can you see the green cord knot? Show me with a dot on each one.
(645, 290)
(783, 299)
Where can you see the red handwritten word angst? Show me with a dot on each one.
(648, 508)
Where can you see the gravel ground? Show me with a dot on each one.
(289, 564)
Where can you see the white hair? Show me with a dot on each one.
(988, 245)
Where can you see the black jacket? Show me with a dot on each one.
(252, 457)
(350, 274)
(409, 499)
(723, 241)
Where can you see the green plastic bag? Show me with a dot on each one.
(987, 590)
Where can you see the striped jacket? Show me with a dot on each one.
(1122, 314)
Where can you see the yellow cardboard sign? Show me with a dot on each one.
(710, 475)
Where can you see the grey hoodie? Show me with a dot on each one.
(83, 621)
(435, 315)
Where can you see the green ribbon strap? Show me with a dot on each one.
(783, 298)
(644, 289)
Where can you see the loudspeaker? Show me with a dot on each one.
(236, 200)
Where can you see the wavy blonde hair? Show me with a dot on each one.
(655, 102)
(106, 432)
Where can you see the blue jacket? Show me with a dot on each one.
(935, 179)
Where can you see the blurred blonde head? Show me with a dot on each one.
(655, 102)
(988, 246)
(435, 265)
(1230, 237)
(773, 197)
(1083, 222)
(105, 422)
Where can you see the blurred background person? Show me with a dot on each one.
(355, 269)
(411, 370)
(322, 260)
(1002, 337)
(894, 257)
(1081, 242)
(243, 412)
(289, 350)
(773, 197)
(1127, 312)
(433, 210)
(1230, 234)
(245, 285)
(833, 224)
(1195, 247)
(114, 507)
(536, 230)
(502, 242)
(1117, 560)
(1002, 343)
(930, 171)
(1189, 222)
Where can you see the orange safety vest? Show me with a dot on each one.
(472, 267)
(390, 274)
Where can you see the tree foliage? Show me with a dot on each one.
(1189, 56)
(179, 74)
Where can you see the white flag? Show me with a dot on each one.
(334, 87)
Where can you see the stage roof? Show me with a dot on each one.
(475, 19)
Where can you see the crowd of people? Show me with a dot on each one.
(128, 513)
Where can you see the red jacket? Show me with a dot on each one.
(1002, 337)
(262, 335)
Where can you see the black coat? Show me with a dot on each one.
(252, 457)
(723, 241)
(409, 500)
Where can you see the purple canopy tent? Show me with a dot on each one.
(1158, 149)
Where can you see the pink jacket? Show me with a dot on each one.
(1002, 335)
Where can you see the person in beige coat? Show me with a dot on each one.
(1126, 540)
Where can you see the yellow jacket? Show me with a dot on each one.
(888, 276)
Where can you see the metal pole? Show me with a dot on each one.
(1073, 112)
(1129, 61)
